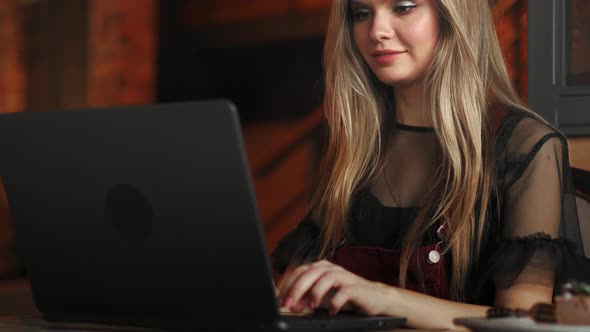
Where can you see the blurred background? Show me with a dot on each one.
(265, 55)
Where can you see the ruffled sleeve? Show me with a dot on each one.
(534, 237)
(300, 245)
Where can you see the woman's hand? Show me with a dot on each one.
(326, 285)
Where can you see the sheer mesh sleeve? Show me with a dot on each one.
(537, 234)
(300, 245)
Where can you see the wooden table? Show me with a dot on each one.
(15, 324)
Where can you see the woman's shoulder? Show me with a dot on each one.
(524, 144)
(522, 131)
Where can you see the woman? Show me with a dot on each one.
(440, 193)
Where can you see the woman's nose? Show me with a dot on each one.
(382, 28)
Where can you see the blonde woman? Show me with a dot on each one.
(440, 194)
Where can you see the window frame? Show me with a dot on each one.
(566, 107)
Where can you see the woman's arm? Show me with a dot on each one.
(326, 285)
(424, 311)
(429, 312)
(523, 296)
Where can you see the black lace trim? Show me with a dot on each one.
(541, 238)
(501, 265)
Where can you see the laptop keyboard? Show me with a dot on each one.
(317, 315)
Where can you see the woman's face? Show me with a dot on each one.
(396, 38)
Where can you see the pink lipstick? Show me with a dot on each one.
(385, 57)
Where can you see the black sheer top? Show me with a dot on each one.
(533, 232)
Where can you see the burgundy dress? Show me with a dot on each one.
(382, 265)
(532, 234)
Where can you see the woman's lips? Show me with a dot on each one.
(386, 57)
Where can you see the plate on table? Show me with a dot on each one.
(516, 324)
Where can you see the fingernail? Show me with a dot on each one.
(312, 304)
(288, 302)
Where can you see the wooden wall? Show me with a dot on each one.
(12, 66)
(79, 53)
(71, 54)
(122, 52)
(224, 12)
(55, 39)
(75, 53)
(12, 99)
(510, 17)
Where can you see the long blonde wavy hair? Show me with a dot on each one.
(466, 75)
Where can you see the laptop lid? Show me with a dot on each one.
(143, 211)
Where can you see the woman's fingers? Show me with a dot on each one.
(320, 290)
(296, 285)
(288, 278)
(301, 305)
(340, 299)
(329, 286)
(306, 281)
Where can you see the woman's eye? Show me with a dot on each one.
(403, 7)
(360, 14)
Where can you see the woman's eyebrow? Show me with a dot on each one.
(356, 3)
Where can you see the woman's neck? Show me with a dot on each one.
(409, 107)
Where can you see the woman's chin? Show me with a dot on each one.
(397, 82)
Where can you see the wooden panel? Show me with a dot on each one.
(506, 29)
(219, 12)
(563, 105)
(71, 47)
(41, 93)
(511, 18)
(57, 54)
(523, 50)
(230, 23)
(12, 70)
(12, 99)
(122, 41)
(578, 50)
(313, 5)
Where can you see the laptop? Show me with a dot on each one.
(144, 216)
